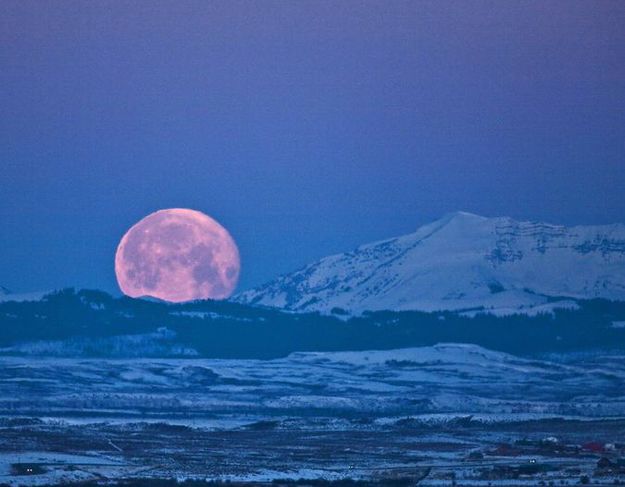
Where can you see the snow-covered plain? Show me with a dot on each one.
(461, 262)
(447, 378)
(318, 415)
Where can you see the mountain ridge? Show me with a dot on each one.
(92, 323)
(462, 261)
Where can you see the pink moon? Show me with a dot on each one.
(177, 255)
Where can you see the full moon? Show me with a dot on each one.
(177, 255)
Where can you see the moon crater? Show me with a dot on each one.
(177, 255)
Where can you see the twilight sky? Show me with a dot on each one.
(304, 127)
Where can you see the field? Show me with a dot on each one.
(443, 415)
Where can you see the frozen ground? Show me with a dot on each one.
(451, 411)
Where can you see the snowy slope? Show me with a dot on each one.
(443, 379)
(462, 261)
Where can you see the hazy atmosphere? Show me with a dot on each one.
(306, 128)
(309, 243)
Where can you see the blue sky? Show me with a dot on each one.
(305, 128)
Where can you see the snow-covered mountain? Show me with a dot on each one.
(461, 262)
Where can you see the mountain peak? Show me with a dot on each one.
(463, 215)
(462, 218)
(461, 261)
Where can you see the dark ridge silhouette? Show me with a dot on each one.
(93, 323)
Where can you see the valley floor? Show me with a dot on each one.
(444, 415)
(465, 453)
